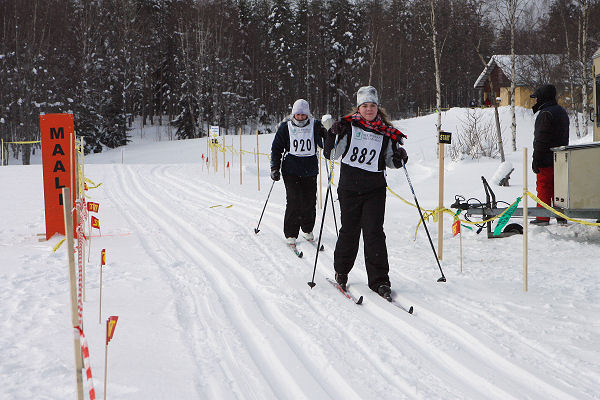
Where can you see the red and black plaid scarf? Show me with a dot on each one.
(378, 126)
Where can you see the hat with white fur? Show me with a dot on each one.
(301, 107)
(366, 94)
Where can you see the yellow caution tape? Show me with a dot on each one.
(26, 142)
(547, 207)
(221, 205)
(437, 211)
(94, 185)
(58, 245)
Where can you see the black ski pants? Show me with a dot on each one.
(363, 212)
(301, 202)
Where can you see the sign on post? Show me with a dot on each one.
(214, 133)
(58, 164)
(445, 137)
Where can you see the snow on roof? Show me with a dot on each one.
(526, 66)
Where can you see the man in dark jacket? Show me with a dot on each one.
(296, 141)
(551, 130)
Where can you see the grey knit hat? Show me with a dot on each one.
(366, 94)
(300, 107)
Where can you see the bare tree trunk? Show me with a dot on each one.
(493, 100)
(513, 14)
(438, 80)
(570, 71)
(584, 16)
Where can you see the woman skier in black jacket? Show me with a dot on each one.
(296, 141)
(367, 143)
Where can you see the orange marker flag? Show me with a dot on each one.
(93, 206)
(456, 228)
(95, 222)
(103, 257)
(111, 324)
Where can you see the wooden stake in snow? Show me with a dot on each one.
(456, 230)
(257, 162)
(102, 262)
(320, 181)
(240, 131)
(111, 324)
(441, 201)
(68, 215)
(525, 164)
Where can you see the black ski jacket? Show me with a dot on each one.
(352, 178)
(294, 165)
(551, 130)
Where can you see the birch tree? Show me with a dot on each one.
(510, 11)
(430, 27)
(563, 16)
(582, 52)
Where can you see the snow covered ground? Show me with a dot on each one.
(210, 310)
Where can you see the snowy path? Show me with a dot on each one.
(255, 329)
(210, 310)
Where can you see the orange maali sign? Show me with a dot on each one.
(58, 159)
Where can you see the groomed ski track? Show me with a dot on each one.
(255, 330)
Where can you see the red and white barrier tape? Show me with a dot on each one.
(85, 351)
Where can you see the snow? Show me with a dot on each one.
(503, 170)
(209, 309)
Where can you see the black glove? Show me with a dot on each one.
(535, 167)
(275, 175)
(337, 129)
(399, 156)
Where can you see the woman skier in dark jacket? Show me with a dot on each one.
(367, 143)
(296, 141)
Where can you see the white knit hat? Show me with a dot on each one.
(301, 107)
(366, 94)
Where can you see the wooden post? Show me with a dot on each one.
(71, 148)
(68, 214)
(2, 151)
(100, 311)
(257, 162)
(105, 365)
(461, 256)
(224, 153)
(441, 201)
(320, 180)
(525, 164)
(240, 131)
(216, 156)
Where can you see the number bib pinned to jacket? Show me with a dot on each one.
(302, 141)
(364, 150)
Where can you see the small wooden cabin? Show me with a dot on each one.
(531, 71)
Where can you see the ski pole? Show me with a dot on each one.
(443, 278)
(332, 204)
(256, 230)
(312, 282)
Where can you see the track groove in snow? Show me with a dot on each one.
(476, 350)
(273, 354)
